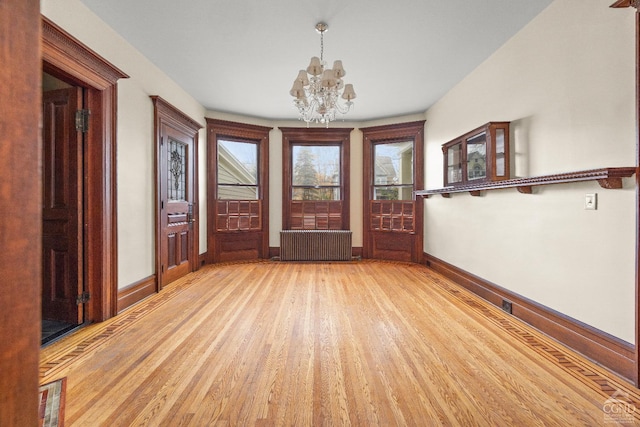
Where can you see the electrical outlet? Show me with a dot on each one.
(591, 201)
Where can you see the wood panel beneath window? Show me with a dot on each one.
(316, 215)
(239, 246)
(392, 245)
(239, 215)
(392, 215)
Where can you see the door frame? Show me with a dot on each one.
(65, 57)
(165, 114)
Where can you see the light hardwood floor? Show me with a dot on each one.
(363, 343)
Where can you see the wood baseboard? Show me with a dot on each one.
(202, 260)
(136, 292)
(605, 349)
(274, 251)
(356, 251)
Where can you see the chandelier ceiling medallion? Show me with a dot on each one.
(319, 91)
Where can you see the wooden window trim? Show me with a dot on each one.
(387, 134)
(316, 136)
(241, 132)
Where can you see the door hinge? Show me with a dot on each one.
(82, 120)
(83, 298)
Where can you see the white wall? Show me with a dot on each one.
(566, 83)
(135, 133)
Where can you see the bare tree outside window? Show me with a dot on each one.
(316, 172)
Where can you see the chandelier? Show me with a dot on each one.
(319, 91)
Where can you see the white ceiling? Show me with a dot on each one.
(241, 56)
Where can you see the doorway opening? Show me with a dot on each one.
(63, 207)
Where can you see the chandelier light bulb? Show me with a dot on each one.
(319, 91)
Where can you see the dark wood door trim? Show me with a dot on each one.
(65, 57)
(21, 210)
(167, 115)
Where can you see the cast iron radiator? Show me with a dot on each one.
(315, 245)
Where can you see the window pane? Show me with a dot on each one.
(393, 163)
(177, 171)
(237, 192)
(454, 164)
(316, 193)
(404, 192)
(315, 165)
(500, 160)
(237, 162)
(477, 157)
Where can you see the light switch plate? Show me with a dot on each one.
(591, 201)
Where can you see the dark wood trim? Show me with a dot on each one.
(21, 210)
(626, 3)
(636, 4)
(356, 251)
(613, 353)
(608, 178)
(173, 116)
(202, 259)
(390, 133)
(136, 292)
(241, 131)
(302, 136)
(66, 57)
(165, 114)
(67, 53)
(636, 372)
(274, 251)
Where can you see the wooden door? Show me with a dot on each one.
(176, 186)
(62, 249)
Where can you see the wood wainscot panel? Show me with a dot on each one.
(238, 246)
(392, 246)
(611, 352)
(136, 292)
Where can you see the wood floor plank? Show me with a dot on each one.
(361, 343)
